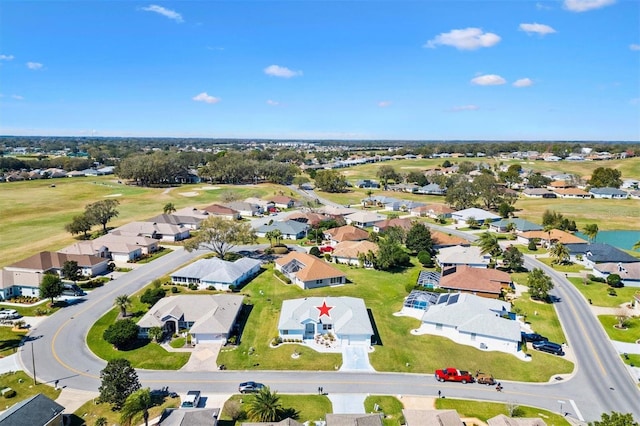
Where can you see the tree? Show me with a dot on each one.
(169, 208)
(122, 302)
(101, 212)
(79, 225)
(300, 180)
(513, 259)
(386, 173)
(539, 284)
(604, 177)
(536, 180)
(505, 209)
(121, 333)
(315, 251)
(614, 280)
(71, 271)
(424, 257)
(395, 234)
(390, 255)
(615, 419)
(151, 296)
(488, 191)
(155, 333)
(472, 222)
(591, 231)
(419, 238)
(51, 287)
(119, 380)
(138, 402)
(265, 406)
(330, 181)
(461, 193)
(220, 235)
(489, 244)
(560, 253)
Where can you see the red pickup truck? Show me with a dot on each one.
(453, 375)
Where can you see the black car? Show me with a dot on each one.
(550, 347)
(249, 387)
(533, 337)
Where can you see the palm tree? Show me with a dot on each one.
(591, 231)
(122, 302)
(155, 333)
(169, 208)
(137, 402)
(277, 235)
(489, 244)
(270, 235)
(265, 406)
(560, 253)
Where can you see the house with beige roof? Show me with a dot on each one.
(307, 271)
(210, 318)
(400, 222)
(432, 211)
(119, 248)
(189, 221)
(462, 255)
(548, 238)
(265, 205)
(222, 211)
(442, 240)
(282, 201)
(337, 211)
(571, 193)
(345, 233)
(482, 282)
(24, 277)
(349, 251)
(363, 219)
(155, 230)
(309, 218)
(413, 417)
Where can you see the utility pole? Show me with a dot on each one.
(33, 363)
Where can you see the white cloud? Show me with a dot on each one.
(278, 71)
(541, 29)
(465, 108)
(6, 57)
(171, 14)
(272, 102)
(585, 5)
(465, 39)
(523, 82)
(18, 97)
(34, 65)
(204, 97)
(488, 80)
(384, 104)
(541, 6)
(634, 46)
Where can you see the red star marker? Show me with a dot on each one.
(324, 309)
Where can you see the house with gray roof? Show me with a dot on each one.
(345, 318)
(155, 230)
(217, 273)
(462, 255)
(39, 410)
(611, 193)
(210, 318)
(245, 209)
(374, 419)
(290, 229)
(190, 221)
(589, 254)
(475, 321)
(432, 189)
(480, 215)
(363, 219)
(629, 272)
(539, 193)
(415, 417)
(519, 225)
(191, 417)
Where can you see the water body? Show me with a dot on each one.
(621, 239)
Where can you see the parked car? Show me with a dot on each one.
(7, 314)
(533, 337)
(191, 400)
(550, 347)
(249, 387)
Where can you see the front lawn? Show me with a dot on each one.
(483, 410)
(568, 267)
(541, 317)
(34, 310)
(10, 340)
(390, 406)
(89, 412)
(20, 382)
(306, 407)
(631, 334)
(598, 293)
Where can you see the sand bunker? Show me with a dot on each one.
(114, 195)
(210, 188)
(189, 194)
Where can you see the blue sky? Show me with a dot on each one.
(433, 70)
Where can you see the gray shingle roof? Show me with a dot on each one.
(217, 270)
(35, 411)
(348, 315)
(287, 227)
(600, 252)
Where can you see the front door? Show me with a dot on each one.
(309, 330)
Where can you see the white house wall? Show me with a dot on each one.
(492, 343)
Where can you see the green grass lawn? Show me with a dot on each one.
(483, 410)
(631, 359)
(390, 406)
(150, 355)
(24, 387)
(306, 407)
(598, 293)
(631, 334)
(400, 351)
(89, 412)
(10, 340)
(570, 267)
(32, 310)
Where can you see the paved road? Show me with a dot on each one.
(600, 384)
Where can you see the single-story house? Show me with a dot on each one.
(473, 320)
(403, 187)
(345, 233)
(590, 254)
(119, 248)
(520, 225)
(309, 218)
(286, 422)
(282, 201)
(189, 222)
(265, 205)
(383, 225)
(613, 193)
(462, 255)
(290, 229)
(348, 252)
(336, 211)
(414, 417)
(191, 417)
(571, 193)
(483, 282)
(363, 219)
(441, 240)
(222, 211)
(23, 278)
(367, 183)
(210, 318)
(432, 211)
(373, 419)
(432, 189)
(245, 209)
(307, 271)
(94, 248)
(402, 205)
(38, 410)
(157, 231)
(539, 193)
(628, 272)
(379, 201)
(346, 318)
(480, 215)
(548, 238)
(217, 273)
(502, 420)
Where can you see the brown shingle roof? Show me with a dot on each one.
(314, 268)
(220, 210)
(347, 233)
(47, 260)
(466, 278)
(351, 249)
(556, 235)
(404, 223)
(570, 191)
(281, 199)
(441, 239)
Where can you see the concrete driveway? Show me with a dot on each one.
(355, 358)
(203, 357)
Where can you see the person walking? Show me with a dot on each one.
(439, 394)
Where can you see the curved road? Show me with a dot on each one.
(599, 384)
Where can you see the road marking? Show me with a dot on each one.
(575, 408)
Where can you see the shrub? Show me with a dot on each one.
(151, 296)
(281, 250)
(596, 279)
(612, 292)
(315, 251)
(8, 393)
(425, 259)
(532, 245)
(211, 287)
(615, 281)
(193, 286)
(121, 333)
(40, 312)
(268, 250)
(232, 256)
(174, 289)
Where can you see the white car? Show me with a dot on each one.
(8, 314)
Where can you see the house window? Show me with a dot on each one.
(438, 326)
(318, 281)
(473, 337)
(336, 280)
(326, 327)
(285, 332)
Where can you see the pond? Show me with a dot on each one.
(621, 239)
